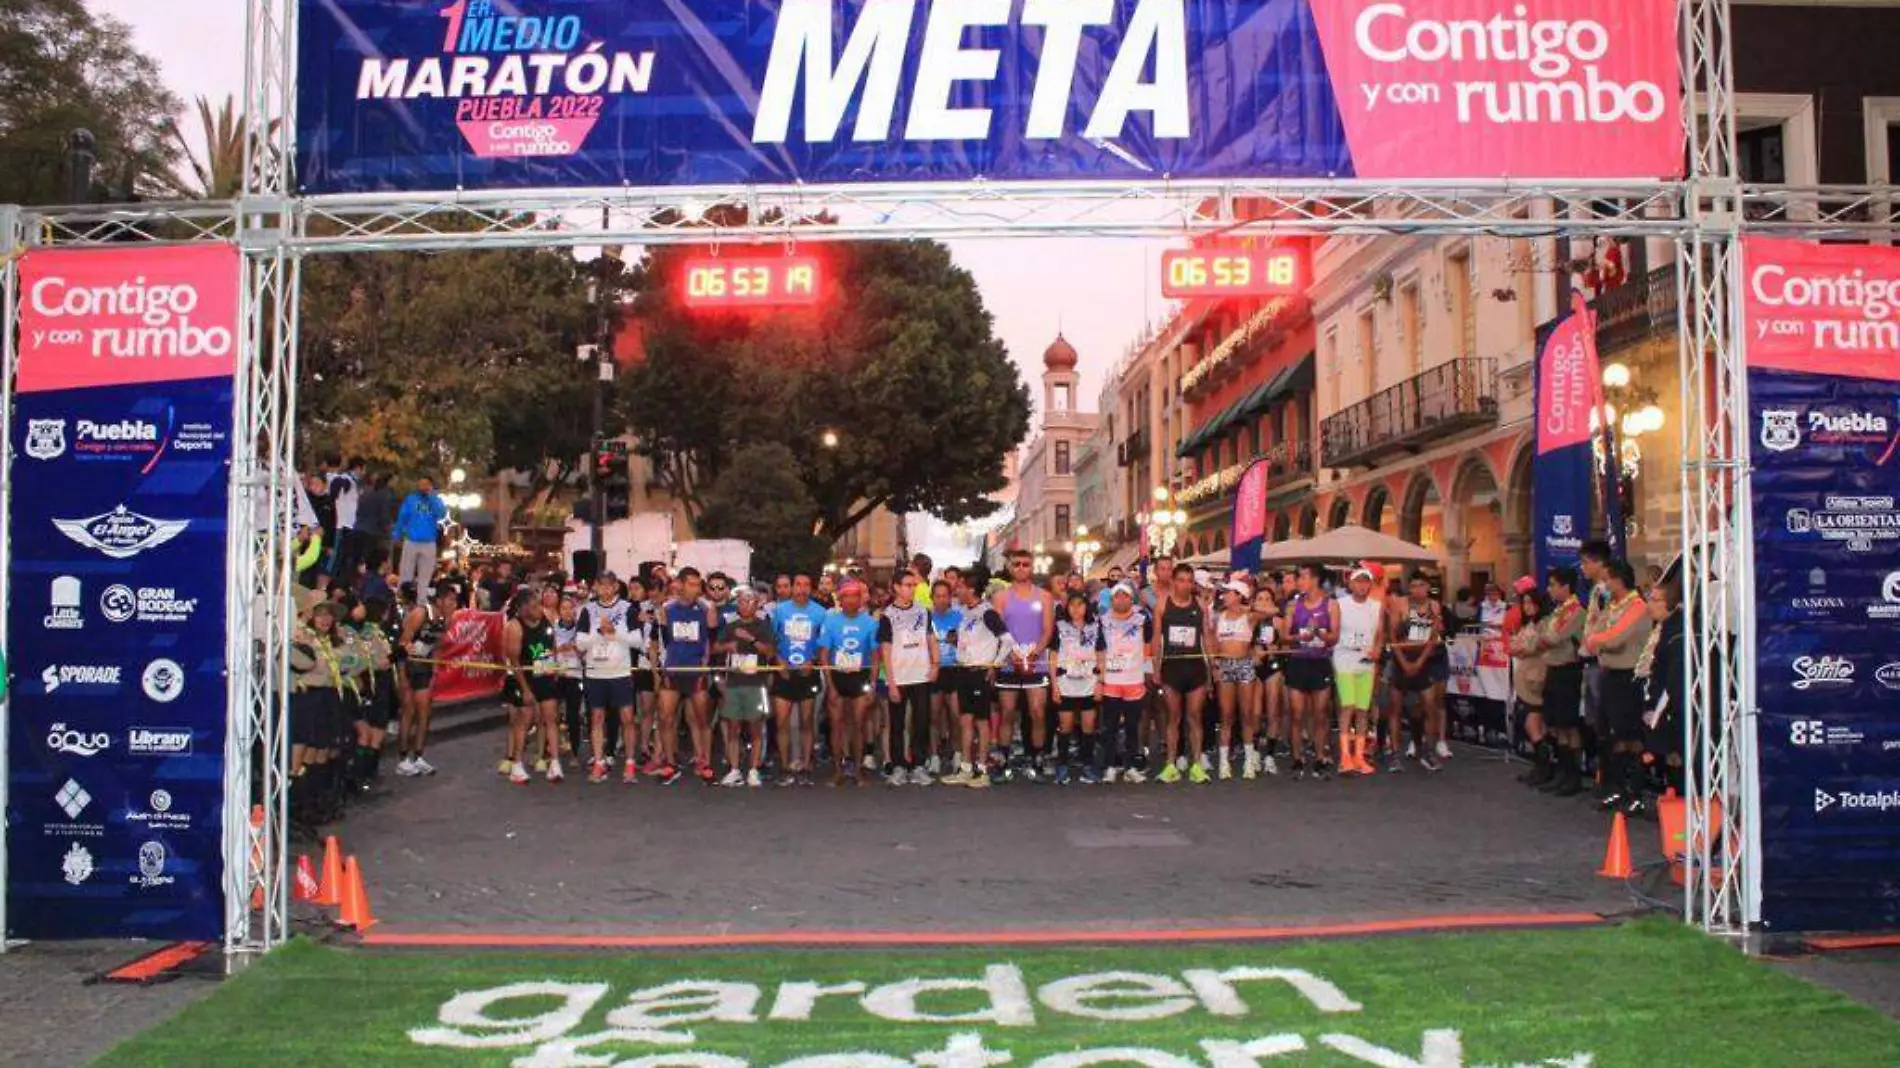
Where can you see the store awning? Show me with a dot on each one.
(1292, 378)
(1123, 558)
(1209, 430)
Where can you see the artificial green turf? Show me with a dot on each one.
(1642, 994)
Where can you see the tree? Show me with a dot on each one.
(898, 359)
(761, 498)
(421, 361)
(215, 166)
(63, 69)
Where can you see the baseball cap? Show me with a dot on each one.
(1361, 572)
(1524, 584)
(1123, 589)
(1238, 587)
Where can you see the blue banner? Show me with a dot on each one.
(117, 595)
(1826, 494)
(1561, 396)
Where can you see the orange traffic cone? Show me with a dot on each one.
(306, 887)
(331, 891)
(1616, 859)
(257, 855)
(355, 913)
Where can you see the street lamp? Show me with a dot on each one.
(829, 439)
(1041, 561)
(457, 477)
(1163, 525)
(1084, 549)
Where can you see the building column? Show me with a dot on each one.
(1517, 557)
(1457, 563)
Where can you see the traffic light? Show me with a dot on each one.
(612, 476)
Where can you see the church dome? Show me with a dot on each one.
(1060, 356)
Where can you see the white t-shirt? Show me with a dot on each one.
(1358, 626)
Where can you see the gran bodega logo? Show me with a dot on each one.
(549, 1018)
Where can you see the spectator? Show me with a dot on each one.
(375, 515)
(1492, 610)
(1464, 608)
(419, 528)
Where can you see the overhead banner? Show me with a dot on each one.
(1250, 519)
(423, 95)
(1822, 325)
(1563, 393)
(121, 474)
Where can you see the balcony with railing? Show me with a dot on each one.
(1637, 311)
(1288, 460)
(1455, 396)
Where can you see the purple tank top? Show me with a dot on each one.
(1317, 618)
(1023, 619)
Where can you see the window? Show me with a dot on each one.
(1368, 354)
(1062, 458)
(1335, 374)
(1061, 398)
(1882, 117)
(1062, 522)
(1411, 330)
(1459, 297)
(1761, 151)
(1775, 139)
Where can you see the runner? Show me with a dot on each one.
(747, 643)
(1180, 673)
(796, 622)
(688, 624)
(983, 643)
(910, 670)
(422, 634)
(532, 689)
(1238, 686)
(1079, 654)
(1030, 615)
(606, 634)
(567, 658)
(945, 621)
(1310, 628)
(1127, 635)
(643, 595)
(1422, 629)
(1393, 701)
(1270, 669)
(846, 646)
(1559, 638)
(1361, 621)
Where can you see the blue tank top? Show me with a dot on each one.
(683, 629)
(1318, 618)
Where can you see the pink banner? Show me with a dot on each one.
(1822, 309)
(107, 317)
(1250, 505)
(1567, 382)
(475, 638)
(1489, 88)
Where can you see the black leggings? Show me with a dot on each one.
(1121, 718)
(912, 752)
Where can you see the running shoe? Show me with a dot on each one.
(1061, 776)
(1090, 777)
(652, 768)
(1393, 765)
(541, 765)
(896, 776)
(870, 762)
(705, 773)
(921, 777)
(957, 777)
(934, 766)
(518, 774)
(423, 767)
(505, 767)
(1270, 765)
(1170, 775)
(1425, 760)
(1411, 750)
(597, 772)
(753, 780)
(629, 774)
(1197, 773)
(1111, 776)
(555, 774)
(1323, 769)
(407, 768)
(1441, 750)
(1226, 766)
(1134, 776)
(978, 780)
(1250, 764)
(1299, 770)
(733, 778)
(668, 774)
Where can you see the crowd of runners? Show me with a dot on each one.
(958, 678)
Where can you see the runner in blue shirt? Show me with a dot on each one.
(687, 627)
(846, 645)
(796, 623)
(945, 619)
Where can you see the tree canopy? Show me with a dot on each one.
(63, 69)
(760, 499)
(898, 364)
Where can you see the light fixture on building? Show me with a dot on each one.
(1163, 526)
(457, 477)
(1041, 561)
(1084, 549)
(1616, 376)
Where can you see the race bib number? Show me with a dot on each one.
(798, 629)
(849, 662)
(912, 640)
(747, 664)
(1119, 662)
(1183, 637)
(600, 654)
(686, 632)
(545, 667)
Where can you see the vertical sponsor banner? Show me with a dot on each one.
(1822, 324)
(121, 480)
(1563, 393)
(1250, 519)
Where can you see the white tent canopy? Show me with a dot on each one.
(1346, 545)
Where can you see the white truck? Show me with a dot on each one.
(730, 555)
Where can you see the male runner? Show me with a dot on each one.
(911, 663)
(1422, 630)
(945, 621)
(796, 621)
(1179, 655)
(747, 643)
(1029, 613)
(688, 624)
(983, 643)
(1127, 634)
(606, 633)
(1079, 653)
(847, 645)
(422, 633)
(532, 689)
